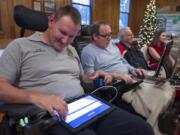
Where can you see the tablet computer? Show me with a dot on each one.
(84, 111)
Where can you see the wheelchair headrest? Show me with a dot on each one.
(30, 19)
(86, 30)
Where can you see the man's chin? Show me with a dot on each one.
(60, 48)
(108, 43)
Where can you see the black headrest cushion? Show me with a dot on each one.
(86, 30)
(30, 19)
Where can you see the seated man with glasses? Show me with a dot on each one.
(148, 100)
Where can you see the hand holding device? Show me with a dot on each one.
(99, 82)
(51, 103)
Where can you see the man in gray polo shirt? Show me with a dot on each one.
(147, 99)
(45, 70)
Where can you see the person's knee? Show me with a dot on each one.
(144, 128)
(140, 125)
(124, 122)
(169, 96)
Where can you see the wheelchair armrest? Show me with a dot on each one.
(88, 87)
(38, 119)
(117, 83)
(123, 87)
(19, 110)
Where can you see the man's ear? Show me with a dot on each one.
(51, 19)
(95, 37)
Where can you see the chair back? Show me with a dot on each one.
(29, 19)
(144, 50)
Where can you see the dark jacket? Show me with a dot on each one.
(133, 55)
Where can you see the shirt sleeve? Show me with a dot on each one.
(10, 62)
(87, 62)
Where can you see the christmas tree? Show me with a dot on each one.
(148, 27)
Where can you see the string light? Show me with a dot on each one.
(148, 27)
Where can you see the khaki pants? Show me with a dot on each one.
(150, 101)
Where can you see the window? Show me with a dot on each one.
(84, 7)
(124, 13)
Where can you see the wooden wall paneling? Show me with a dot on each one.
(1, 29)
(60, 3)
(11, 18)
(137, 10)
(4, 42)
(3, 18)
(1, 23)
(97, 12)
(6, 27)
(107, 10)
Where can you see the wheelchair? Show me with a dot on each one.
(25, 120)
(28, 119)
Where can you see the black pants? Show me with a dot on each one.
(118, 122)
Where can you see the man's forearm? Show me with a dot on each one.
(11, 94)
(94, 75)
(84, 79)
(116, 76)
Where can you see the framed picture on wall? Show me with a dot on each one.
(49, 6)
(161, 23)
(172, 23)
(38, 5)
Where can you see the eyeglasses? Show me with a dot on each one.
(105, 35)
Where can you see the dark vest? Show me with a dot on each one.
(134, 56)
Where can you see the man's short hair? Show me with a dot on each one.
(96, 26)
(68, 11)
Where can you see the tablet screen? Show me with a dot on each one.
(84, 109)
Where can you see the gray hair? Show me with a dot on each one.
(121, 31)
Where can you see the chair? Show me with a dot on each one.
(144, 50)
(26, 19)
(83, 39)
(29, 19)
